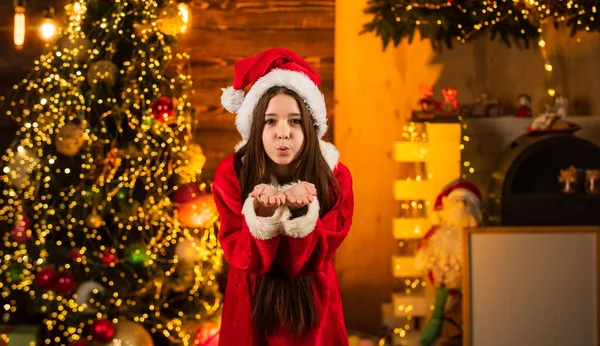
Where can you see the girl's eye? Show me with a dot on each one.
(295, 121)
(270, 121)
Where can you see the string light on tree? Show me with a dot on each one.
(87, 184)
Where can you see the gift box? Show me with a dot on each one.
(18, 335)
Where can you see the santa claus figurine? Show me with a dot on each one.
(439, 253)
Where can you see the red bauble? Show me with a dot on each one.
(102, 330)
(109, 257)
(20, 231)
(162, 109)
(65, 283)
(46, 278)
(186, 193)
(75, 254)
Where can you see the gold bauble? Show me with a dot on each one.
(129, 333)
(70, 139)
(77, 47)
(198, 212)
(171, 20)
(193, 161)
(103, 71)
(94, 220)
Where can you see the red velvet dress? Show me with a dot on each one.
(303, 246)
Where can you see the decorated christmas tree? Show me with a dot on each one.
(108, 229)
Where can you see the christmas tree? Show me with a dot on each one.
(108, 228)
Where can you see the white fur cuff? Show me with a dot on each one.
(301, 226)
(263, 228)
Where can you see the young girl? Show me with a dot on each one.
(285, 204)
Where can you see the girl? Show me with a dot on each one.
(285, 204)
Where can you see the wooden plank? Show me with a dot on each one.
(280, 18)
(241, 44)
(216, 145)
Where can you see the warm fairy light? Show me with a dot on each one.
(98, 202)
(48, 29)
(19, 26)
(184, 11)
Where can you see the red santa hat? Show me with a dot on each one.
(467, 189)
(273, 67)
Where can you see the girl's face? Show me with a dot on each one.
(282, 135)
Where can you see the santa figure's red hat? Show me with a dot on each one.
(273, 67)
(465, 188)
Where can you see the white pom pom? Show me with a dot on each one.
(232, 99)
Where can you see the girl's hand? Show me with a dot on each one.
(268, 196)
(300, 194)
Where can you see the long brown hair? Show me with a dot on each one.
(280, 300)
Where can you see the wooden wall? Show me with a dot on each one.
(225, 31)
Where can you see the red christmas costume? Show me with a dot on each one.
(303, 246)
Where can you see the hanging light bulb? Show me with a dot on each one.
(48, 26)
(184, 12)
(19, 28)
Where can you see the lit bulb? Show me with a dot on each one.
(47, 29)
(548, 67)
(551, 92)
(184, 12)
(19, 29)
(542, 43)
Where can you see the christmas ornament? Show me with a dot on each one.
(137, 254)
(94, 220)
(75, 254)
(130, 334)
(207, 334)
(449, 105)
(199, 211)
(88, 194)
(427, 102)
(186, 193)
(78, 47)
(123, 194)
(45, 278)
(84, 294)
(15, 272)
(103, 71)
(171, 20)
(523, 106)
(193, 161)
(190, 250)
(20, 166)
(65, 283)
(70, 138)
(21, 232)
(109, 257)
(162, 109)
(102, 330)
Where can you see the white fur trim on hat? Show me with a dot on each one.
(232, 99)
(296, 81)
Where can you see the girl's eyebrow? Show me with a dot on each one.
(291, 114)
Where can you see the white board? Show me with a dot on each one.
(532, 288)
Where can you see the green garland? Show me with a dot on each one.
(446, 21)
